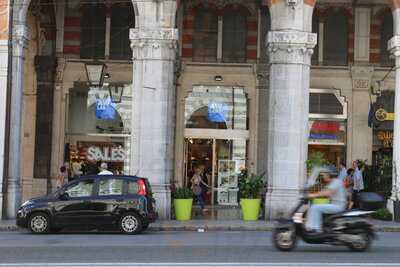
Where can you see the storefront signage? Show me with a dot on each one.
(325, 130)
(386, 137)
(105, 153)
(382, 115)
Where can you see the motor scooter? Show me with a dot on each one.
(348, 228)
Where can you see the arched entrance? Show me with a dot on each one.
(216, 137)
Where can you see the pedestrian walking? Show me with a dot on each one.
(358, 183)
(197, 187)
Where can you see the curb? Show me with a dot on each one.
(195, 228)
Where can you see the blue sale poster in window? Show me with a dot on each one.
(217, 112)
(105, 108)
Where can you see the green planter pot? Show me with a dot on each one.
(183, 209)
(320, 201)
(250, 209)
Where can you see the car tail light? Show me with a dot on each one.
(142, 188)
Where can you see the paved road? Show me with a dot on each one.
(21, 248)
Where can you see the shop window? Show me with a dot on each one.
(99, 129)
(335, 39)
(216, 108)
(205, 36)
(234, 37)
(386, 35)
(122, 19)
(109, 187)
(93, 31)
(322, 103)
(315, 29)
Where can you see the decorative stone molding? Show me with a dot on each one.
(361, 77)
(151, 34)
(20, 39)
(291, 47)
(158, 44)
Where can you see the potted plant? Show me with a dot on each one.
(250, 200)
(183, 201)
(316, 159)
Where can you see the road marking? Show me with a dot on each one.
(288, 264)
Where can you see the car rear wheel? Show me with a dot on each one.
(131, 223)
(39, 223)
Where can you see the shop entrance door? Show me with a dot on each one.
(222, 161)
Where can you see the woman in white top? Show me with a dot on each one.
(197, 186)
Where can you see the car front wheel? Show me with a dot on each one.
(39, 223)
(131, 223)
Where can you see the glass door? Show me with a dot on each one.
(221, 161)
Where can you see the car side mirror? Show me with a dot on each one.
(64, 196)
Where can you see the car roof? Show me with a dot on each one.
(97, 176)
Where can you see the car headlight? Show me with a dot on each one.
(26, 203)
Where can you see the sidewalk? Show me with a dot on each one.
(221, 225)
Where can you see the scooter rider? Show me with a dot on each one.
(337, 194)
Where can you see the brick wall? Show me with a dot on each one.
(375, 36)
(72, 32)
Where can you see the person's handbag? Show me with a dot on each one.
(197, 190)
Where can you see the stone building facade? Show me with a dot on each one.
(228, 85)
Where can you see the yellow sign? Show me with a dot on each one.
(382, 115)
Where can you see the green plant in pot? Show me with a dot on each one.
(316, 159)
(250, 188)
(183, 201)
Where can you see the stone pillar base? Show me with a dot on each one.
(280, 203)
(390, 205)
(162, 195)
(13, 200)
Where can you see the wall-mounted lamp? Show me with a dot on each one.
(95, 73)
(218, 78)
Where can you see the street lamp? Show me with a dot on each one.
(116, 90)
(95, 73)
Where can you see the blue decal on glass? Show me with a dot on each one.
(217, 112)
(105, 109)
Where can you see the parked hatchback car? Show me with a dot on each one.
(95, 201)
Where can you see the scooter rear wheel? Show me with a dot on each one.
(362, 243)
(284, 239)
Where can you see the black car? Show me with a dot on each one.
(94, 201)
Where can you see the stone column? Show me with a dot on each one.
(20, 42)
(154, 45)
(290, 47)
(394, 48)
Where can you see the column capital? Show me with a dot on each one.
(21, 34)
(159, 44)
(291, 47)
(394, 46)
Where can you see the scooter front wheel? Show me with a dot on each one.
(284, 239)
